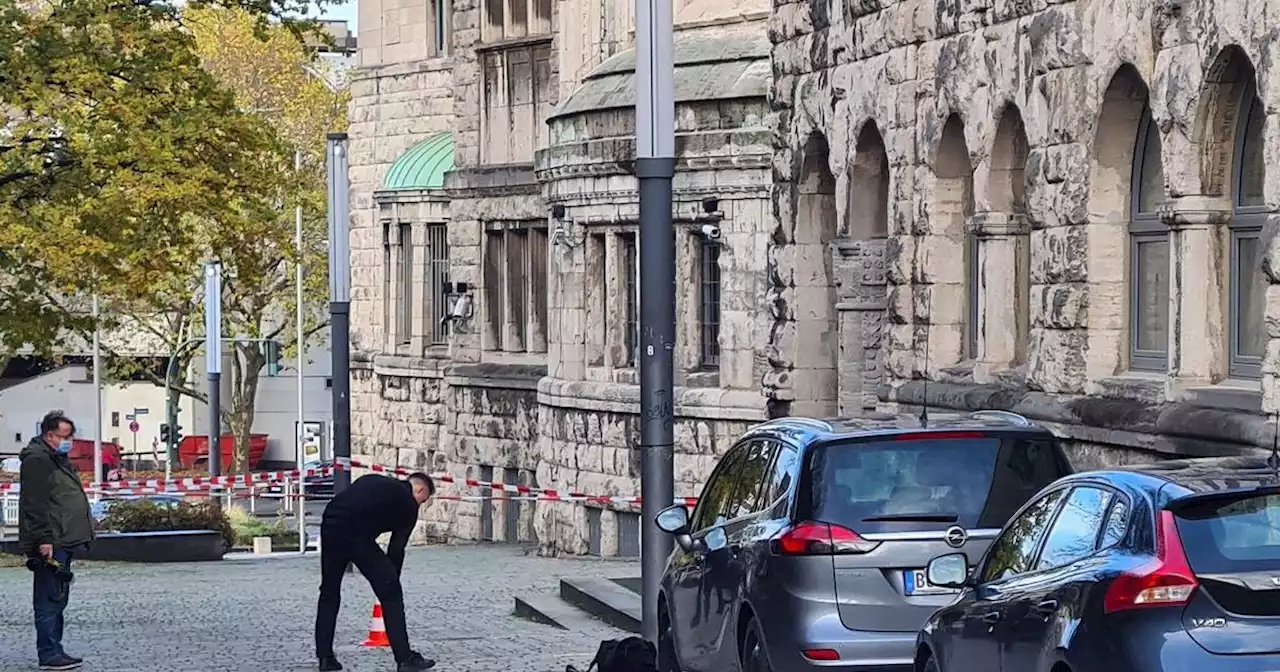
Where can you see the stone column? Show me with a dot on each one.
(1003, 287)
(1198, 255)
(861, 301)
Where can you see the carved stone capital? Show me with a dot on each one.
(1195, 212)
(998, 224)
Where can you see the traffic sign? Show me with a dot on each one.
(133, 427)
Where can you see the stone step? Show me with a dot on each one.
(605, 599)
(553, 611)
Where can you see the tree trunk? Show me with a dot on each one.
(241, 425)
(247, 367)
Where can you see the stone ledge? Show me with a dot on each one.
(706, 403)
(479, 181)
(441, 64)
(409, 367)
(502, 376)
(1177, 429)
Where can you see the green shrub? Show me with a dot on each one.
(145, 515)
(247, 527)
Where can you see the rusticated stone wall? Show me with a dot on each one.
(993, 146)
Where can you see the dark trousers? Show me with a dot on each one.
(338, 548)
(49, 597)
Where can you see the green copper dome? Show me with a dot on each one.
(422, 166)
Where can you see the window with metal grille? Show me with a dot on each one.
(709, 304)
(388, 301)
(404, 285)
(631, 280)
(515, 286)
(436, 276)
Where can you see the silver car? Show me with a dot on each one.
(808, 545)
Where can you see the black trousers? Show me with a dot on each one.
(338, 548)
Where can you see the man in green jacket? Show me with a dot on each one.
(54, 525)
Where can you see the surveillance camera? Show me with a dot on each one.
(461, 307)
(711, 232)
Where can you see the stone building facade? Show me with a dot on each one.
(1059, 209)
(494, 257)
(1063, 208)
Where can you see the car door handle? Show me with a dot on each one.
(1047, 606)
(991, 617)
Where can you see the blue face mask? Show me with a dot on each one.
(64, 448)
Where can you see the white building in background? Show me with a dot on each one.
(24, 401)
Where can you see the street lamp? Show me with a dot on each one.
(655, 168)
(340, 305)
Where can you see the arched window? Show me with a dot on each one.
(1148, 255)
(1247, 284)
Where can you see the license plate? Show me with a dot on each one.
(916, 582)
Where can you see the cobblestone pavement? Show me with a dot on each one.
(257, 615)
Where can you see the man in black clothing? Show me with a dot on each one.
(352, 521)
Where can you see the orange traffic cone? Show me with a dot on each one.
(377, 629)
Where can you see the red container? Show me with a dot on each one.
(195, 449)
(82, 456)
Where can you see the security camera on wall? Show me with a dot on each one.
(711, 232)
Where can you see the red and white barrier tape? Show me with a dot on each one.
(237, 480)
(252, 480)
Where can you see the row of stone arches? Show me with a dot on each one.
(1144, 237)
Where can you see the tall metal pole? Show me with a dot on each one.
(213, 360)
(655, 168)
(301, 346)
(340, 305)
(97, 392)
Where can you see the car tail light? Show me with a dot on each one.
(927, 436)
(810, 538)
(1166, 581)
(821, 654)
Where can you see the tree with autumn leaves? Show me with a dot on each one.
(141, 139)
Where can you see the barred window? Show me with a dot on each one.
(631, 280)
(436, 279)
(709, 304)
(515, 286)
(404, 285)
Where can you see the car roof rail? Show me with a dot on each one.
(1005, 416)
(821, 425)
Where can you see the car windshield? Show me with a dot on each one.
(902, 485)
(1233, 534)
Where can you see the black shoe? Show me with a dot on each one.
(61, 662)
(73, 658)
(416, 663)
(329, 664)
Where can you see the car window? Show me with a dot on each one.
(752, 475)
(1232, 533)
(1025, 467)
(783, 469)
(889, 486)
(1117, 524)
(1076, 528)
(1012, 553)
(715, 497)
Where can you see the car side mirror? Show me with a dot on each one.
(949, 571)
(674, 520)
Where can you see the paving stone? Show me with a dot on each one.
(258, 615)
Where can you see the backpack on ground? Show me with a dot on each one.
(632, 654)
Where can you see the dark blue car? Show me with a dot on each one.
(1169, 567)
